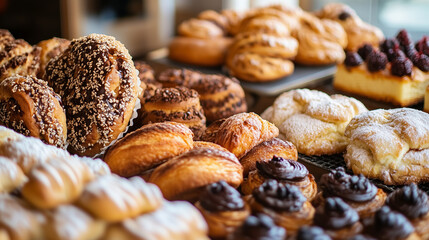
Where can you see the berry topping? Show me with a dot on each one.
(402, 67)
(387, 44)
(404, 38)
(352, 59)
(421, 61)
(395, 53)
(423, 45)
(376, 61)
(365, 50)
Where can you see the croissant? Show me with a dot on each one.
(11, 176)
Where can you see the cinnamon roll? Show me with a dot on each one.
(50, 49)
(338, 219)
(11, 176)
(223, 209)
(284, 171)
(259, 227)
(29, 106)
(284, 203)
(412, 203)
(357, 191)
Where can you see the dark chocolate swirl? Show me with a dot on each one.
(391, 225)
(278, 196)
(335, 214)
(282, 169)
(260, 227)
(312, 233)
(338, 183)
(410, 201)
(221, 197)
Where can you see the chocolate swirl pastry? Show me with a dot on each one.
(178, 77)
(354, 188)
(282, 169)
(390, 225)
(259, 227)
(221, 197)
(410, 201)
(335, 214)
(278, 196)
(312, 233)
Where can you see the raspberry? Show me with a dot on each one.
(423, 45)
(388, 44)
(365, 50)
(402, 67)
(421, 61)
(376, 61)
(395, 53)
(404, 38)
(352, 59)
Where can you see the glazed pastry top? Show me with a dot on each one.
(221, 197)
(282, 169)
(410, 201)
(335, 214)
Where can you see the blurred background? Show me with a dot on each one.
(146, 25)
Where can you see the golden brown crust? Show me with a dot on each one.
(148, 81)
(220, 20)
(233, 18)
(289, 21)
(181, 176)
(29, 106)
(11, 176)
(426, 104)
(265, 152)
(148, 147)
(50, 48)
(200, 28)
(421, 226)
(99, 87)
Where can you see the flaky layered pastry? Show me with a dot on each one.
(11, 175)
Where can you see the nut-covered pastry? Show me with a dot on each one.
(184, 176)
(148, 81)
(283, 170)
(412, 203)
(357, 191)
(313, 232)
(284, 203)
(56, 182)
(240, 133)
(173, 220)
(148, 147)
(390, 145)
(172, 77)
(49, 49)
(181, 105)
(113, 198)
(312, 120)
(265, 151)
(259, 227)
(11, 176)
(358, 31)
(223, 209)
(99, 87)
(29, 106)
(338, 219)
(18, 57)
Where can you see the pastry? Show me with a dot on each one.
(11, 176)
(148, 81)
(412, 203)
(18, 57)
(200, 28)
(240, 133)
(181, 105)
(122, 198)
(390, 145)
(49, 49)
(174, 220)
(426, 104)
(259, 227)
(358, 32)
(56, 182)
(391, 225)
(220, 20)
(29, 106)
(70, 222)
(96, 166)
(284, 203)
(233, 19)
(313, 232)
(8, 135)
(312, 120)
(148, 147)
(223, 209)
(99, 87)
(321, 41)
(185, 176)
(171, 78)
(338, 219)
(265, 151)
(283, 170)
(357, 191)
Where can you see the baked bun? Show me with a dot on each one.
(112, 198)
(99, 87)
(198, 51)
(11, 176)
(172, 77)
(200, 28)
(8, 135)
(184, 176)
(50, 48)
(148, 81)
(18, 57)
(321, 42)
(148, 147)
(358, 32)
(390, 145)
(220, 20)
(29, 106)
(240, 133)
(181, 105)
(313, 121)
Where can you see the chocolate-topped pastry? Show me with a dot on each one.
(179, 104)
(339, 220)
(357, 191)
(284, 203)
(99, 87)
(283, 170)
(50, 49)
(259, 227)
(391, 225)
(178, 77)
(412, 203)
(312, 233)
(147, 78)
(223, 208)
